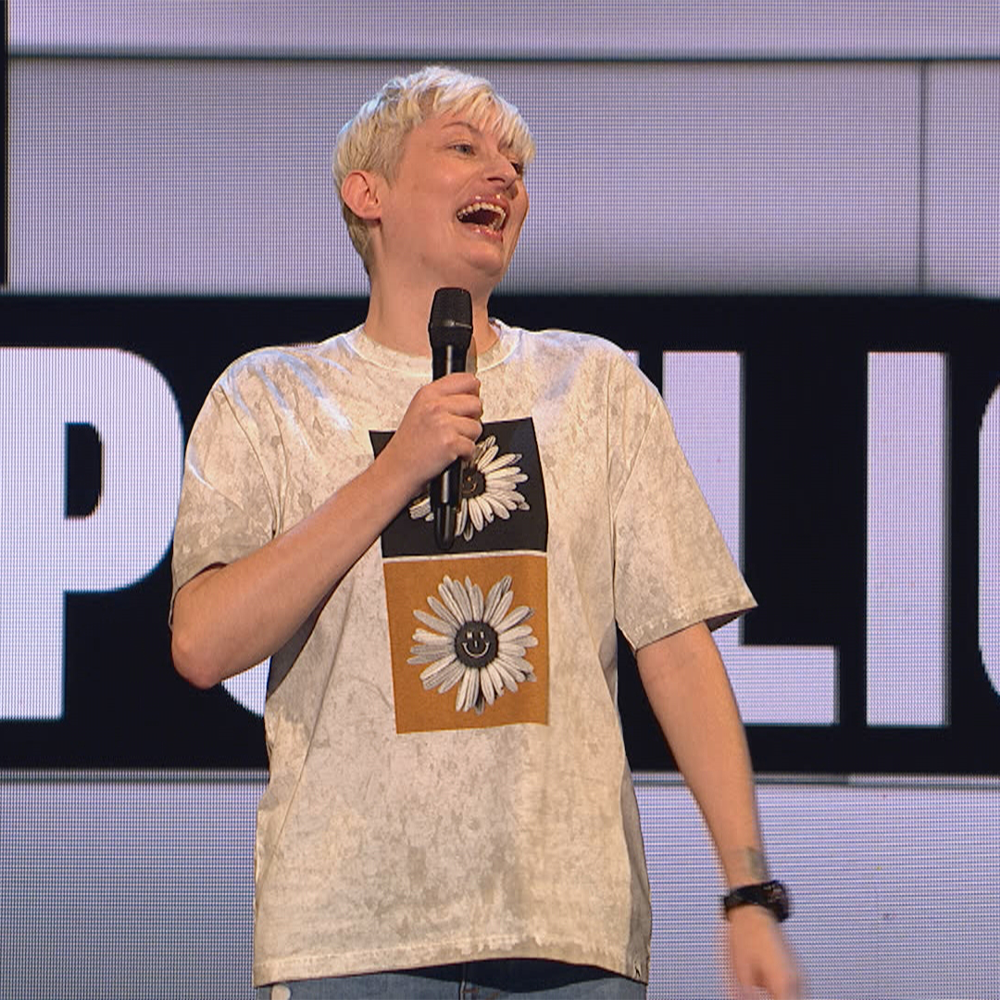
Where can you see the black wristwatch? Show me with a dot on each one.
(771, 895)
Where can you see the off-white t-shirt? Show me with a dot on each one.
(448, 780)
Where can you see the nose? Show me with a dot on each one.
(501, 169)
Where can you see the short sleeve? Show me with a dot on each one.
(228, 507)
(672, 566)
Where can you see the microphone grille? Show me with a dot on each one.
(451, 317)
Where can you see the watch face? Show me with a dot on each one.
(776, 899)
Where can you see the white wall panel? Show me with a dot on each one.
(963, 179)
(119, 889)
(907, 574)
(138, 888)
(209, 176)
(492, 29)
(212, 176)
(707, 176)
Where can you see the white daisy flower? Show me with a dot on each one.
(489, 482)
(477, 643)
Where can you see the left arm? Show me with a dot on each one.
(689, 691)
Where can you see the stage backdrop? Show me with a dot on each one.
(790, 219)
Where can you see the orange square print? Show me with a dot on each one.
(469, 639)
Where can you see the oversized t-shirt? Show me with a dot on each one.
(448, 780)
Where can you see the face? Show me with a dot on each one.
(475, 642)
(454, 211)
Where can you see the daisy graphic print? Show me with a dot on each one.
(489, 489)
(476, 643)
(468, 628)
(502, 505)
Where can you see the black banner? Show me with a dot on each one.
(805, 487)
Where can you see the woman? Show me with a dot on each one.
(449, 801)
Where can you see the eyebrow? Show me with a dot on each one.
(463, 124)
(472, 128)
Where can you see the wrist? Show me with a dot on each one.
(745, 866)
(394, 477)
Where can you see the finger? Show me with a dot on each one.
(450, 404)
(463, 405)
(470, 431)
(457, 382)
(778, 978)
(788, 987)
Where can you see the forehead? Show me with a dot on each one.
(458, 123)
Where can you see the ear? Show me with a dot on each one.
(361, 193)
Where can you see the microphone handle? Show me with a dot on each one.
(446, 360)
(446, 489)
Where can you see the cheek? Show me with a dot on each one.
(411, 223)
(521, 215)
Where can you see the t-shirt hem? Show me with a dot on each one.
(296, 967)
(714, 613)
(183, 572)
(184, 576)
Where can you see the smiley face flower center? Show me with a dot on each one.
(473, 482)
(476, 644)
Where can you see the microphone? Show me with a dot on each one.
(450, 330)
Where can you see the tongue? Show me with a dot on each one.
(481, 217)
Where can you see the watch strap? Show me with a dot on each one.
(771, 895)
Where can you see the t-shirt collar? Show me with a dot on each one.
(420, 365)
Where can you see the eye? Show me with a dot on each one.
(463, 147)
(518, 167)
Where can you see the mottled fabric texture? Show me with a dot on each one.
(380, 849)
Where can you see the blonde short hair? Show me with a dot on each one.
(373, 138)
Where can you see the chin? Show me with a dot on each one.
(494, 264)
(478, 276)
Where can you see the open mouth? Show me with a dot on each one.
(483, 214)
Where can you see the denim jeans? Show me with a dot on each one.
(486, 980)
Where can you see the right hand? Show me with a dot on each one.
(441, 424)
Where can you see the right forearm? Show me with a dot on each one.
(230, 617)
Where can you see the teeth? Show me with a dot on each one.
(499, 215)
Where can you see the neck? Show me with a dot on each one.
(398, 319)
